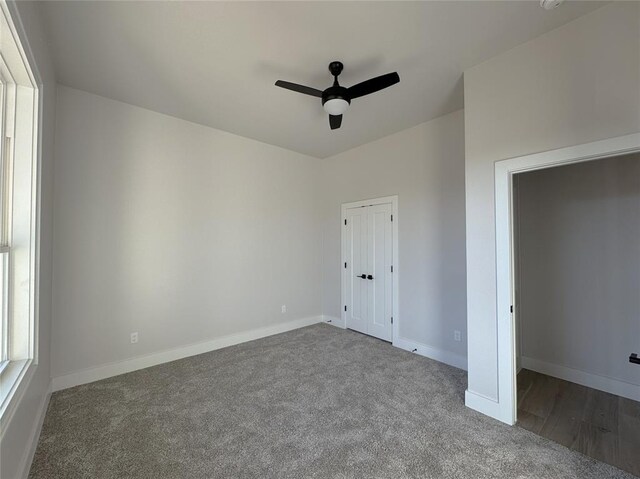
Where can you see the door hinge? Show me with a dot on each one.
(391, 319)
(345, 307)
(391, 217)
(345, 222)
(392, 268)
(345, 264)
(511, 308)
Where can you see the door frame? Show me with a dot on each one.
(393, 200)
(506, 410)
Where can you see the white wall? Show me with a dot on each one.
(176, 231)
(20, 431)
(579, 253)
(424, 166)
(576, 84)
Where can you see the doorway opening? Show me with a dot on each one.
(370, 267)
(576, 260)
(505, 408)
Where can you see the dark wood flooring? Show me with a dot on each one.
(595, 423)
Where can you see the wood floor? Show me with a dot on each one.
(595, 423)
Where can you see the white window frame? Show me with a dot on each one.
(7, 114)
(21, 100)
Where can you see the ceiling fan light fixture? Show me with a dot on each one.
(336, 99)
(336, 106)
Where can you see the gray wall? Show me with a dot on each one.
(576, 84)
(21, 429)
(424, 166)
(159, 219)
(579, 253)
(176, 231)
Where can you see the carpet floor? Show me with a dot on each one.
(315, 402)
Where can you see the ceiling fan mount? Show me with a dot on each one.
(336, 68)
(336, 99)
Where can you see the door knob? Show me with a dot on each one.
(361, 276)
(369, 277)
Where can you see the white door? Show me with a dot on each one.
(357, 289)
(368, 270)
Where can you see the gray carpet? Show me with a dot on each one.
(316, 402)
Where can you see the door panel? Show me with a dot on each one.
(380, 237)
(357, 263)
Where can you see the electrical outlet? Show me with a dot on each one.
(284, 308)
(456, 335)
(134, 338)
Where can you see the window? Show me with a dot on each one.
(7, 105)
(19, 108)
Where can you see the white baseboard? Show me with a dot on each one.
(487, 406)
(128, 365)
(595, 381)
(333, 321)
(447, 357)
(34, 437)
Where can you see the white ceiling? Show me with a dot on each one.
(215, 63)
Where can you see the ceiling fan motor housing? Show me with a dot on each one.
(335, 92)
(335, 100)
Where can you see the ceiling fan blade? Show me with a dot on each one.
(299, 88)
(335, 121)
(373, 85)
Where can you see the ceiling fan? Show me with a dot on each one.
(336, 99)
